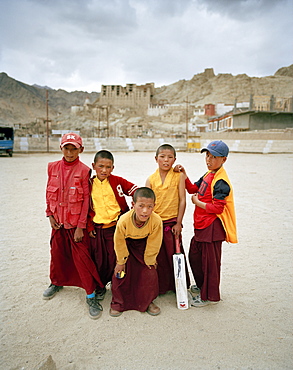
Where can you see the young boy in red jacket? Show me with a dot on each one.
(214, 222)
(67, 198)
(107, 204)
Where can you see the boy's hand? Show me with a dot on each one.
(194, 198)
(176, 230)
(180, 168)
(54, 223)
(92, 234)
(150, 266)
(78, 235)
(119, 268)
(198, 202)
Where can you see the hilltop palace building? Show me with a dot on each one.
(130, 96)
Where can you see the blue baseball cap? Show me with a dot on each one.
(217, 148)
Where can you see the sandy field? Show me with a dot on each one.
(251, 328)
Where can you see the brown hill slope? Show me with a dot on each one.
(207, 87)
(22, 103)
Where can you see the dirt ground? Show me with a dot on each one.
(251, 328)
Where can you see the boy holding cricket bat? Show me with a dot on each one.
(169, 187)
(137, 241)
(214, 222)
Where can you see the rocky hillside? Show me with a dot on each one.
(206, 87)
(22, 103)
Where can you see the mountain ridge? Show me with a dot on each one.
(23, 103)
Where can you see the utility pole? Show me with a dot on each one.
(187, 102)
(47, 119)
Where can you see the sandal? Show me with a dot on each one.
(153, 309)
(114, 313)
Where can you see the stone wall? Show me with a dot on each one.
(242, 142)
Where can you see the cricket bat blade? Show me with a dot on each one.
(180, 278)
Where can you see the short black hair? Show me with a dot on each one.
(166, 146)
(103, 154)
(144, 192)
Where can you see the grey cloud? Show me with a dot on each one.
(81, 44)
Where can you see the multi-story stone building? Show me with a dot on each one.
(132, 95)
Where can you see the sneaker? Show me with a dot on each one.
(95, 309)
(100, 294)
(194, 289)
(51, 291)
(198, 302)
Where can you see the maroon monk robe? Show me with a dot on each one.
(72, 265)
(165, 259)
(205, 259)
(139, 287)
(102, 252)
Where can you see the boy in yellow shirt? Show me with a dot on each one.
(137, 242)
(107, 204)
(169, 187)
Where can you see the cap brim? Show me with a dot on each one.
(215, 154)
(70, 142)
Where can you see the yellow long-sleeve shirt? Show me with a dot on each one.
(126, 228)
(167, 193)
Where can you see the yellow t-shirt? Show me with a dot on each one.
(126, 228)
(167, 194)
(105, 204)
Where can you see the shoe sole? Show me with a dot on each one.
(115, 314)
(95, 317)
(153, 313)
(51, 296)
(205, 304)
(48, 298)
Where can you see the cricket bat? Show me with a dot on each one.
(180, 278)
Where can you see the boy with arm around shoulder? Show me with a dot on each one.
(214, 222)
(67, 198)
(137, 242)
(107, 204)
(169, 187)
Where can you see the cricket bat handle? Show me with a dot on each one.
(177, 248)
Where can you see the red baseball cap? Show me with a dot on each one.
(71, 138)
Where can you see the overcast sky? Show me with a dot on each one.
(81, 44)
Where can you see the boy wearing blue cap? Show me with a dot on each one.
(214, 222)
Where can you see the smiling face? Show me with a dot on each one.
(165, 159)
(143, 207)
(70, 152)
(103, 168)
(214, 163)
